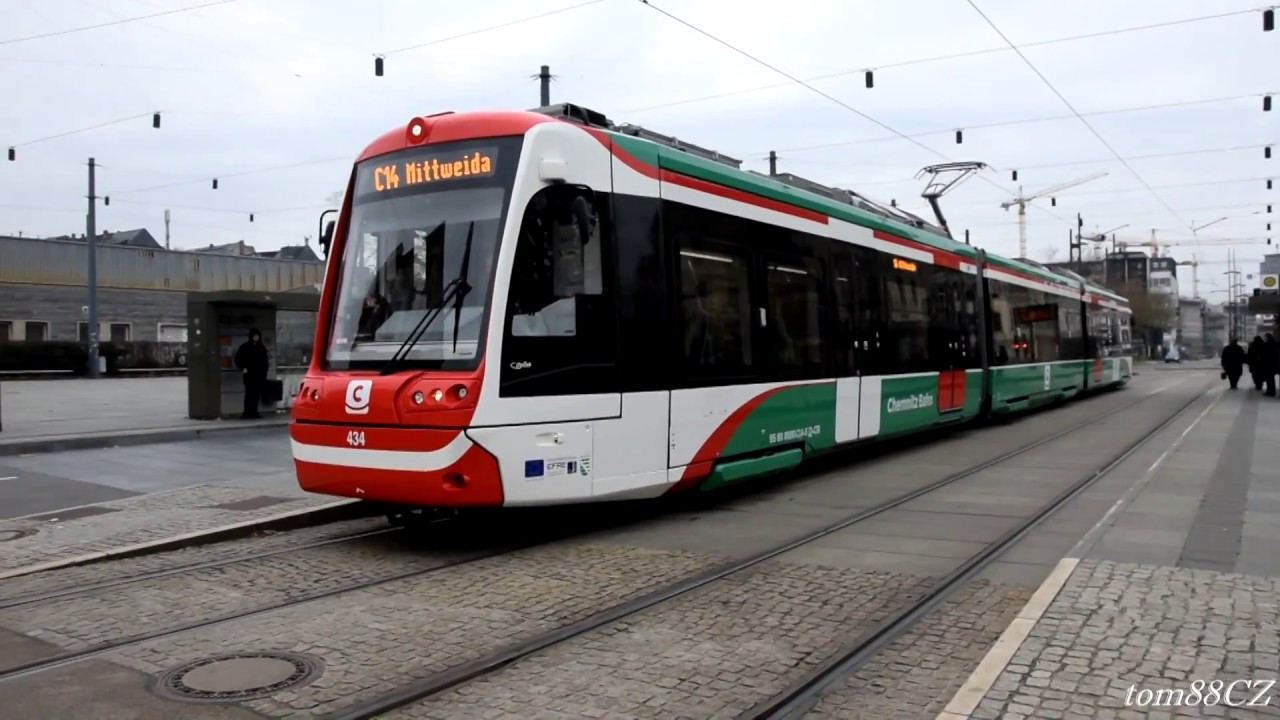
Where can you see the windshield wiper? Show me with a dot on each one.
(463, 286)
(420, 328)
(454, 292)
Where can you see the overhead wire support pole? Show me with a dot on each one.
(91, 244)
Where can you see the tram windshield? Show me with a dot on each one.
(420, 243)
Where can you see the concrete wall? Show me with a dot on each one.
(61, 308)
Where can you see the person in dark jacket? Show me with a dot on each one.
(1233, 359)
(1253, 358)
(1270, 355)
(252, 358)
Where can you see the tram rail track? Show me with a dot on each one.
(805, 694)
(457, 560)
(808, 690)
(573, 629)
(97, 587)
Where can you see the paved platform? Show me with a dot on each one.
(65, 506)
(56, 415)
(1169, 605)
(712, 653)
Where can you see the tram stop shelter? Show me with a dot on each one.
(1265, 303)
(218, 323)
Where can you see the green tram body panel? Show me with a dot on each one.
(797, 422)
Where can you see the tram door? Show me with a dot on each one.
(859, 323)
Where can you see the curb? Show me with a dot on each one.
(966, 700)
(98, 441)
(292, 520)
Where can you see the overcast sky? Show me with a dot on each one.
(248, 86)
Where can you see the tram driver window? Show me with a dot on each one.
(558, 262)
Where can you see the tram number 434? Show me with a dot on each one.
(355, 438)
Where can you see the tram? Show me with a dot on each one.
(544, 307)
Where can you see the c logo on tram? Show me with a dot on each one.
(358, 392)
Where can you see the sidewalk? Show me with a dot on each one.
(57, 415)
(169, 520)
(1171, 604)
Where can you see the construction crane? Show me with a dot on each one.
(1195, 275)
(1022, 200)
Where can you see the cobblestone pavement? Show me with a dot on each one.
(121, 523)
(1116, 630)
(713, 653)
(376, 639)
(916, 675)
(79, 576)
(80, 622)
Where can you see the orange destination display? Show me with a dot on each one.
(426, 168)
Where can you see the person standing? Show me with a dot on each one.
(1270, 356)
(1254, 359)
(253, 360)
(1233, 359)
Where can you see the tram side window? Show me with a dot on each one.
(559, 315)
(1044, 333)
(907, 301)
(794, 326)
(1001, 311)
(964, 319)
(846, 333)
(1071, 343)
(715, 302)
(942, 317)
(558, 268)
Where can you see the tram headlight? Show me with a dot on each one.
(460, 391)
(437, 395)
(417, 398)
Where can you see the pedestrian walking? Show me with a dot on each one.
(1270, 356)
(1233, 361)
(1255, 361)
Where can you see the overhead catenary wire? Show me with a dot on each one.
(108, 123)
(1072, 108)
(951, 56)
(1014, 123)
(206, 178)
(111, 23)
(1098, 161)
(833, 99)
(217, 176)
(378, 66)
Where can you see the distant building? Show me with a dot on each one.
(1162, 276)
(1264, 304)
(1119, 269)
(139, 238)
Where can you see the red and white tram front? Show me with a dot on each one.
(402, 337)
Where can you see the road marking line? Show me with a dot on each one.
(103, 554)
(1090, 538)
(967, 698)
(11, 477)
(970, 695)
